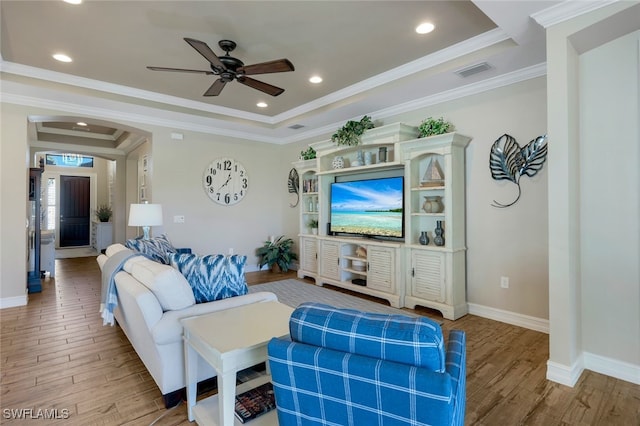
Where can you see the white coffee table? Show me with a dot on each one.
(230, 341)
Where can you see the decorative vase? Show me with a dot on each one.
(367, 158)
(382, 154)
(338, 162)
(359, 158)
(439, 238)
(424, 238)
(432, 204)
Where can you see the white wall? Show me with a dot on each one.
(178, 167)
(14, 177)
(579, 163)
(610, 199)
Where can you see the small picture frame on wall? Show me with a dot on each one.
(143, 193)
(145, 163)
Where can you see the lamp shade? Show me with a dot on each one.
(145, 215)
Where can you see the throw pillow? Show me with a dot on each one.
(168, 285)
(399, 338)
(212, 277)
(156, 248)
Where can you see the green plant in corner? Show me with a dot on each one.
(278, 252)
(103, 213)
(309, 154)
(350, 133)
(434, 126)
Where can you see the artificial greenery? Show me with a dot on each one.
(278, 252)
(350, 133)
(313, 223)
(103, 213)
(434, 126)
(309, 154)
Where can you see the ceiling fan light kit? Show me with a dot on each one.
(228, 68)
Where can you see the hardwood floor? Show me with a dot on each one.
(57, 356)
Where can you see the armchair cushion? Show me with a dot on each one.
(399, 338)
(212, 277)
(156, 248)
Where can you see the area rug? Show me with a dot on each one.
(293, 292)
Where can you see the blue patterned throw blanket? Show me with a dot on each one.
(109, 296)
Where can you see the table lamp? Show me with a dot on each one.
(145, 215)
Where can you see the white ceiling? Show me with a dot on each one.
(367, 52)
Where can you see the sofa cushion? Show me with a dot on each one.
(156, 248)
(113, 249)
(212, 277)
(168, 285)
(400, 338)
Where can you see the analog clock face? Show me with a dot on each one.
(225, 181)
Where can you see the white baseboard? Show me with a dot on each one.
(513, 318)
(565, 374)
(569, 375)
(12, 302)
(612, 367)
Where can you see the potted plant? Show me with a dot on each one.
(350, 133)
(103, 213)
(277, 254)
(434, 126)
(309, 154)
(313, 225)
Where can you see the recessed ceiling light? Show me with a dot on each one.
(81, 123)
(425, 28)
(62, 57)
(262, 105)
(316, 79)
(73, 1)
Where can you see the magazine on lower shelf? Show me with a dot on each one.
(255, 402)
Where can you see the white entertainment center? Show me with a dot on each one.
(404, 272)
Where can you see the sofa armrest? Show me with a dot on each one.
(456, 365)
(136, 301)
(169, 328)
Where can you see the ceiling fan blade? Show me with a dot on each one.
(259, 85)
(179, 70)
(279, 65)
(205, 51)
(215, 88)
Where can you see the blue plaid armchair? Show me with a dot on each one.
(345, 367)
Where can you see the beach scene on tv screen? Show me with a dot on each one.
(368, 207)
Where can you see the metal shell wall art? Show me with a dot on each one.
(293, 182)
(508, 161)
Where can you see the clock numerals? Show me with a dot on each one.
(225, 181)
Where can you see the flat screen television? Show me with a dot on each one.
(368, 207)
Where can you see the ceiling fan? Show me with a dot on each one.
(229, 68)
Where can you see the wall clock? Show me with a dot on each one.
(225, 181)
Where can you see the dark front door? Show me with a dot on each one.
(75, 217)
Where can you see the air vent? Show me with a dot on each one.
(473, 69)
(296, 126)
(81, 128)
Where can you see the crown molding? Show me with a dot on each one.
(117, 89)
(455, 51)
(465, 47)
(567, 10)
(128, 113)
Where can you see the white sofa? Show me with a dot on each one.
(154, 332)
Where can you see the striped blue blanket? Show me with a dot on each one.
(109, 296)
